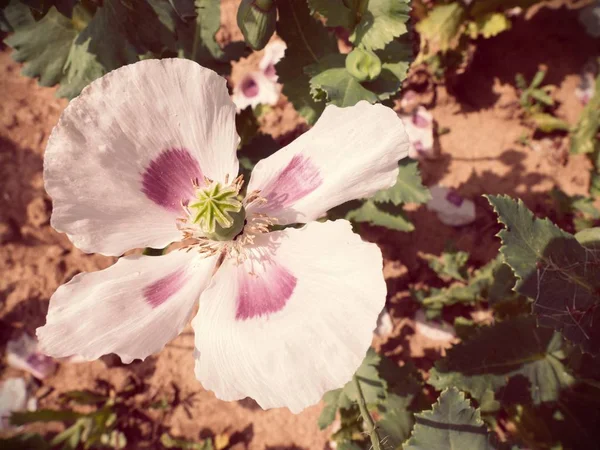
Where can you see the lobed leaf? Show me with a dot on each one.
(442, 27)
(380, 23)
(335, 13)
(513, 352)
(307, 42)
(369, 212)
(409, 186)
(477, 289)
(554, 269)
(30, 42)
(452, 423)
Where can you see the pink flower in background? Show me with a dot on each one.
(450, 207)
(23, 354)
(260, 87)
(419, 127)
(284, 315)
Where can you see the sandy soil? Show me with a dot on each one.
(479, 155)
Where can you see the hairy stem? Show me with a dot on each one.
(364, 412)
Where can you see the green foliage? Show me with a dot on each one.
(440, 30)
(385, 207)
(380, 22)
(452, 423)
(554, 269)
(584, 137)
(307, 42)
(372, 23)
(386, 389)
(92, 40)
(511, 355)
(168, 442)
(475, 289)
(448, 28)
(452, 264)
(110, 416)
(256, 19)
(319, 74)
(536, 102)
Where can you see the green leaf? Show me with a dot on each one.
(452, 264)
(451, 424)
(373, 386)
(369, 212)
(408, 188)
(307, 42)
(380, 23)
(330, 77)
(554, 269)
(26, 441)
(86, 47)
(85, 397)
(331, 80)
(396, 420)
(43, 415)
(169, 442)
(335, 12)
(583, 138)
(208, 22)
(442, 27)
(30, 42)
(589, 238)
(475, 290)
(492, 24)
(503, 353)
(542, 97)
(328, 413)
(549, 123)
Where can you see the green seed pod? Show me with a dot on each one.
(257, 19)
(364, 65)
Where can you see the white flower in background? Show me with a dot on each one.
(419, 127)
(260, 87)
(13, 398)
(435, 331)
(385, 325)
(450, 207)
(590, 19)
(23, 354)
(284, 316)
(586, 88)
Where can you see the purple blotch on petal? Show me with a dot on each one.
(420, 121)
(298, 179)
(265, 293)
(455, 198)
(168, 179)
(270, 71)
(161, 290)
(249, 87)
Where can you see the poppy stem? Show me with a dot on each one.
(364, 412)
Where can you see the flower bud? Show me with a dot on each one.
(257, 19)
(364, 65)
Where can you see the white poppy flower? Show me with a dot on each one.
(13, 398)
(419, 127)
(450, 207)
(146, 156)
(23, 354)
(260, 87)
